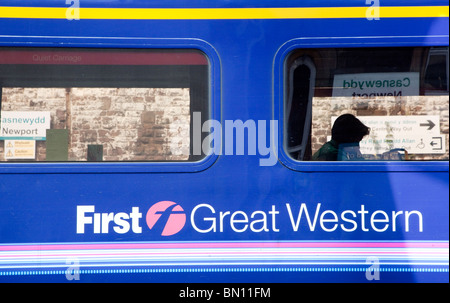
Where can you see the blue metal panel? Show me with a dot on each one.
(38, 201)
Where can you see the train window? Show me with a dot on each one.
(100, 105)
(367, 104)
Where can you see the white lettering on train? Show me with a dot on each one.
(204, 218)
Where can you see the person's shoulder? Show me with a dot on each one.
(331, 146)
(328, 152)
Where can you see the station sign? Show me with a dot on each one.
(24, 125)
(372, 85)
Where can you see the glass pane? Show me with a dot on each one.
(382, 96)
(100, 105)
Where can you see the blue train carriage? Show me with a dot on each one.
(191, 141)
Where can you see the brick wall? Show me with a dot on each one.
(132, 124)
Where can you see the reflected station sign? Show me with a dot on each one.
(416, 134)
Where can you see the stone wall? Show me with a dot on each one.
(141, 124)
(132, 124)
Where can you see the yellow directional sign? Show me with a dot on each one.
(20, 149)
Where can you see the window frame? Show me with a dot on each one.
(280, 95)
(138, 166)
(438, 52)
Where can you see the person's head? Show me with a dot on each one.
(348, 129)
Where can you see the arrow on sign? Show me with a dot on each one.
(439, 143)
(430, 124)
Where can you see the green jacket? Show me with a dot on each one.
(328, 152)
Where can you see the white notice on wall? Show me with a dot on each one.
(415, 134)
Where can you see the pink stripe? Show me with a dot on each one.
(225, 245)
(137, 254)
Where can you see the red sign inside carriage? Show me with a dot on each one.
(97, 57)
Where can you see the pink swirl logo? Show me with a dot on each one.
(168, 216)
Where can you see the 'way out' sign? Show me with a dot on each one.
(415, 134)
(15, 125)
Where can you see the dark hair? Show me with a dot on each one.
(348, 129)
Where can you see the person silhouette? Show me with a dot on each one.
(346, 134)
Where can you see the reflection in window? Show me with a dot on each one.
(436, 75)
(399, 93)
(92, 105)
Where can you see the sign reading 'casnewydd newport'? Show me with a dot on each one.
(17, 125)
(373, 85)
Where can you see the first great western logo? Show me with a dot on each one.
(167, 218)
